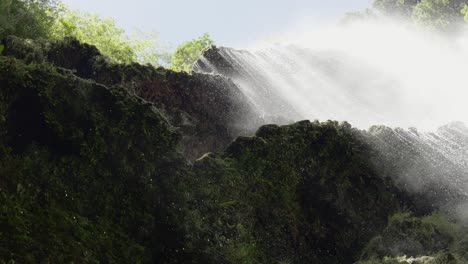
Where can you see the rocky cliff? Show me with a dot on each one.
(108, 163)
(209, 110)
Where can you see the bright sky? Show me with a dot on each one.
(230, 22)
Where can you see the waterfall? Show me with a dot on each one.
(384, 74)
(365, 74)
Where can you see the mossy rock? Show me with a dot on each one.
(90, 172)
(208, 110)
(79, 167)
(409, 235)
(280, 197)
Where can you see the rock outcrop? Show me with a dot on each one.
(93, 169)
(208, 110)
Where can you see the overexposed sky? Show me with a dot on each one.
(230, 23)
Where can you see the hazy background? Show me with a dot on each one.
(230, 23)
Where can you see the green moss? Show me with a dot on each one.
(414, 236)
(91, 173)
(277, 197)
(80, 162)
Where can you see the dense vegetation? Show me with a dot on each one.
(107, 37)
(188, 52)
(101, 162)
(27, 18)
(440, 15)
(49, 19)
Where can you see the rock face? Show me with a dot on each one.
(407, 235)
(90, 172)
(209, 110)
(260, 89)
(305, 183)
(213, 61)
(78, 165)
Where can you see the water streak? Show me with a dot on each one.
(365, 74)
(369, 74)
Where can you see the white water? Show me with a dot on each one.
(429, 160)
(366, 73)
(380, 73)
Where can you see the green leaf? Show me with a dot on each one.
(2, 47)
(188, 52)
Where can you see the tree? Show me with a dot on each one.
(440, 15)
(27, 18)
(188, 52)
(108, 38)
(50, 19)
(402, 8)
(464, 11)
(443, 15)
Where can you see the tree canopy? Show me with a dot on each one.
(27, 18)
(188, 52)
(438, 15)
(396, 7)
(107, 37)
(50, 19)
(442, 15)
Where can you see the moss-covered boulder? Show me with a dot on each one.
(303, 193)
(408, 235)
(413, 236)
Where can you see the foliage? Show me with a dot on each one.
(188, 52)
(48, 19)
(27, 18)
(107, 37)
(438, 14)
(396, 7)
(464, 11)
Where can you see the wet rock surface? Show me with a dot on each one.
(209, 110)
(94, 168)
